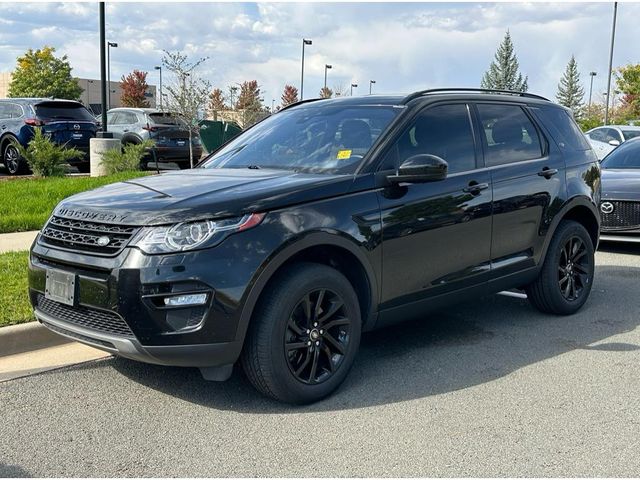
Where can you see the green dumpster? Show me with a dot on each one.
(214, 133)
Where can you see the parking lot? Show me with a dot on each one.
(490, 388)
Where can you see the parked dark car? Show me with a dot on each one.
(66, 122)
(620, 206)
(327, 219)
(168, 132)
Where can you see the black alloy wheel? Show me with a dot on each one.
(317, 336)
(12, 159)
(573, 269)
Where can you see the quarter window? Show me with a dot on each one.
(508, 134)
(444, 131)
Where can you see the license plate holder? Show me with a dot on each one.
(77, 136)
(60, 287)
(181, 143)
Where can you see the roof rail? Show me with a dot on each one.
(421, 93)
(300, 102)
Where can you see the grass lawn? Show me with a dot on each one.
(25, 204)
(14, 300)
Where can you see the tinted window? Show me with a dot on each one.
(128, 118)
(612, 134)
(4, 111)
(598, 135)
(166, 118)
(626, 155)
(629, 134)
(63, 111)
(311, 139)
(10, 110)
(562, 127)
(509, 135)
(444, 131)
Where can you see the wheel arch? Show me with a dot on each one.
(324, 248)
(5, 139)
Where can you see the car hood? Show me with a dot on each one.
(621, 184)
(198, 194)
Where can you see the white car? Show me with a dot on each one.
(604, 139)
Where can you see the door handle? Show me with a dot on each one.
(4, 127)
(475, 188)
(547, 172)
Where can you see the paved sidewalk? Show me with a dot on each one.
(28, 363)
(15, 242)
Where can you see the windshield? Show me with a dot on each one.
(626, 155)
(316, 139)
(629, 134)
(63, 111)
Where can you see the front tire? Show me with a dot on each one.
(302, 344)
(566, 278)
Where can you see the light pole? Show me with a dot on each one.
(232, 90)
(353, 85)
(109, 46)
(591, 74)
(160, 68)
(304, 42)
(273, 105)
(613, 37)
(371, 82)
(326, 67)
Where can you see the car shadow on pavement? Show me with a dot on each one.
(468, 345)
(13, 471)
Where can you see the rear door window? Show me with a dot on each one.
(629, 134)
(562, 127)
(598, 135)
(61, 111)
(508, 134)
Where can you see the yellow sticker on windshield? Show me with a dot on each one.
(344, 154)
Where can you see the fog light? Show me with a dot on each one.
(186, 300)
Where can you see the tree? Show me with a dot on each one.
(628, 82)
(216, 102)
(134, 86)
(187, 94)
(326, 92)
(249, 98)
(503, 73)
(39, 73)
(289, 95)
(570, 92)
(340, 90)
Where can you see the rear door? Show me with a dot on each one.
(67, 123)
(437, 235)
(528, 179)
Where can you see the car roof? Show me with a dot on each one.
(36, 100)
(625, 127)
(135, 109)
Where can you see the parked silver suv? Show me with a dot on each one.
(167, 130)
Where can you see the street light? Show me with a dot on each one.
(591, 74)
(232, 90)
(371, 82)
(273, 104)
(326, 67)
(304, 42)
(109, 46)
(353, 85)
(160, 68)
(613, 37)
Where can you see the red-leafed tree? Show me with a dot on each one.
(326, 92)
(134, 86)
(216, 101)
(290, 95)
(249, 97)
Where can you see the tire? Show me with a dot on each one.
(283, 344)
(12, 160)
(566, 278)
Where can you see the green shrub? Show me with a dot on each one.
(126, 160)
(45, 158)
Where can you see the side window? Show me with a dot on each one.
(509, 135)
(444, 131)
(4, 111)
(128, 118)
(562, 127)
(598, 135)
(114, 118)
(13, 110)
(612, 134)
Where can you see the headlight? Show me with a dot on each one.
(191, 235)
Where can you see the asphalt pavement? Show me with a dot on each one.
(488, 388)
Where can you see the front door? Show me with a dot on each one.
(437, 235)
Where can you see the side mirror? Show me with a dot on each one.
(420, 169)
(614, 143)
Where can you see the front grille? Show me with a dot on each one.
(92, 318)
(625, 216)
(83, 235)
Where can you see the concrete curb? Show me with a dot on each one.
(27, 337)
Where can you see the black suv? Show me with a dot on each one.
(64, 121)
(329, 218)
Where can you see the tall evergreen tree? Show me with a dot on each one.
(570, 92)
(503, 73)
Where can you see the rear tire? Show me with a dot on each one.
(305, 336)
(566, 278)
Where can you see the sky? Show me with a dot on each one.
(402, 46)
